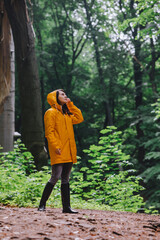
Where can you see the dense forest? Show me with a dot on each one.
(106, 56)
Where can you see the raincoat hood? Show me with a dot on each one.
(52, 99)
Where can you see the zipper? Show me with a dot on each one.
(68, 137)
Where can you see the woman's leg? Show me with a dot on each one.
(56, 173)
(66, 171)
(65, 189)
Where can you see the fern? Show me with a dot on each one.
(151, 173)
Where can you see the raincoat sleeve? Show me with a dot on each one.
(50, 131)
(77, 114)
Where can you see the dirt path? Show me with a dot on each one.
(28, 224)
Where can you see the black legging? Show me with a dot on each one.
(62, 170)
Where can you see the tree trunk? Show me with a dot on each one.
(152, 71)
(29, 85)
(138, 86)
(42, 77)
(138, 98)
(108, 119)
(5, 61)
(8, 115)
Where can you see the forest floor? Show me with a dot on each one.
(28, 224)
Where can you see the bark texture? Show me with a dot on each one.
(29, 85)
(5, 74)
(8, 115)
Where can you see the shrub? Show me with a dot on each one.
(110, 179)
(20, 183)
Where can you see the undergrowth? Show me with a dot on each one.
(108, 183)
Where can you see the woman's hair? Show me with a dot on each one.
(64, 106)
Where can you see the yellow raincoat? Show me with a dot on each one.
(59, 130)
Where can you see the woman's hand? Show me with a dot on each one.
(68, 100)
(58, 151)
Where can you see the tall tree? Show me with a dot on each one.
(68, 43)
(7, 117)
(29, 85)
(135, 40)
(140, 21)
(5, 73)
(7, 67)
(108, 119)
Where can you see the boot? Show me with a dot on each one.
(46, 193)
(65, 194)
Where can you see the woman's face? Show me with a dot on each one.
(62, 97)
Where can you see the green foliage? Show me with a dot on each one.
(19, 188)
(20, 157)
(125, 31)
(146, 15)
(20, 183)
(109, 179)
(156, 109)
(151, 173)
(108, 184)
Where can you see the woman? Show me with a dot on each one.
(59, 120)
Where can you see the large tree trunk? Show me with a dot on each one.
(8, 115)
(5, 71)
(108, 119)
(29, 85)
